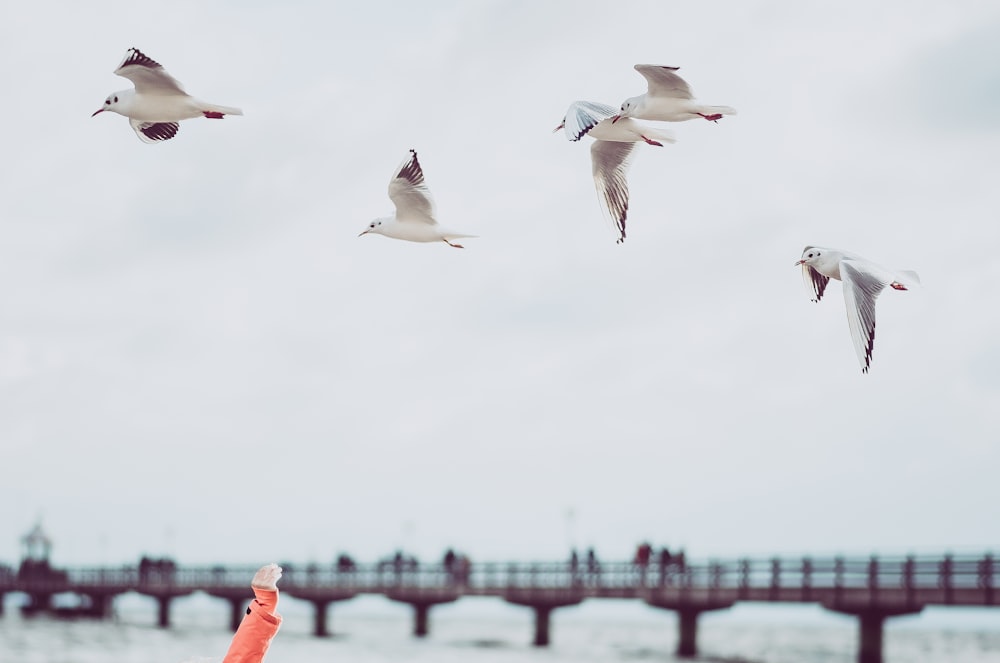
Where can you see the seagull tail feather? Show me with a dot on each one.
(225, 110)
(721, 110)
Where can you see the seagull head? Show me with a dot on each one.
(811, 255)
(114, 102)
(628, 107)
(373, 227)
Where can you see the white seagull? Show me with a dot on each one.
(414, 218)
(862, 280)
(158, 102)
(668, 99)
(611, 152)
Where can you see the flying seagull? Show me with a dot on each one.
(414, 218)
(862, 281)
(158, 102)
(611, 152)
(668, 99)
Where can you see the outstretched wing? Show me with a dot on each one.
(409, 192)
(861, 289)
(154, 132)
(815, 282)
(583, 116)
(611, 161)
(148, 75)
(663, 82)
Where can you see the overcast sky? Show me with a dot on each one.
(200, 358)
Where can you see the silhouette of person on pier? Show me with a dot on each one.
(462, 569)
(156, 570)
(345, 564)
(593, 567)
(574, 568)
(260, 624)
(665, 560)
(448, 562)
(643, 555)
(398, 563)
(457, 567)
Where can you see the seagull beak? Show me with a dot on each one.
(616, 118)
(801, 262)
(364, 232)
(561, 125)
(99, 110)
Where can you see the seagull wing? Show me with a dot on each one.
(583, 116)
(148, 75)
(154, 132)
(611, 161)
(663, 82)
(409, 192)
(815, 282)
(861, 288)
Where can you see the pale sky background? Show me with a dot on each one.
(200, 358)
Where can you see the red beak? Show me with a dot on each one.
(559, 127)
(801, 262)
(99, 110)
(616, 118)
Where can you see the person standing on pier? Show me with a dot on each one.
(643, 554)
(665, 560)
(593, 567)
(574, 568)
(261, 622)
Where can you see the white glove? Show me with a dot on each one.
(267, 577)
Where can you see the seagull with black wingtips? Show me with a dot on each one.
(415, 219)
(863, 281)
(158, 102)
(611, 153)
(668, 98)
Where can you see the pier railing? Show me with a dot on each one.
(870, 588)
(948, 579)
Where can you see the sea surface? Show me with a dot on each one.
(373, 630)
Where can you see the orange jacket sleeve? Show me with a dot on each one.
(259, 625)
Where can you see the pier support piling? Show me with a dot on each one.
(870, 637)
(321, 600)
(320, 629)
(101, 605)
(542, 621)
(422, 601)
(871, 620)
(543, 601)
(687, 632)
(163, 617)
(39, 603)
(236, 612)
(688, 611)
(421, 612)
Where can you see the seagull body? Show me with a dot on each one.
(668, 99)
(414, 218)
(611, 152)
(158, 102)
(589, 118)
(862, 281)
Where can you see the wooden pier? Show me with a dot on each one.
(872, 589)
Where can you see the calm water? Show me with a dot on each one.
(371, 630)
